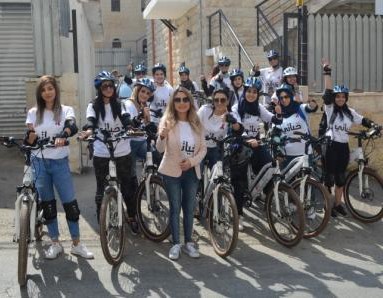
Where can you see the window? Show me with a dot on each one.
(116, 43)
(145, 46)
(115, 5)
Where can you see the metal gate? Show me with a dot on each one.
(16, 64)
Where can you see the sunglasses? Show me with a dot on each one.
(284, 97)
(273, 58)
(224, 64)
(106, 86)
(219, 99)
(181, 99)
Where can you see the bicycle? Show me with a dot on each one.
(217, 204)
(152, 201)
(112, 215)
(283, 208)
(363, 190)
(312, 193)
(28, 212)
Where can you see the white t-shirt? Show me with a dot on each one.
(186, 139)
(217, 85)
(271, 80)
(295, 123)
(251, 122)
(132, 110)
(122, 148)
(160, 101)
(338, 130)
(214, 126)
(49, 128)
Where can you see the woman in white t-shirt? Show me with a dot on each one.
(108, 113)
(340, 117)
(50, 119)
(182, 139)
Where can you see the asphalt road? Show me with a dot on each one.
(346, 260)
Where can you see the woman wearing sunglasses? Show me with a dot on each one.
(182, 139)
(295, 118)
(215, 120)
(251, 114)
(108, 113)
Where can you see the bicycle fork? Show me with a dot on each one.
(113, 177)
(23, 198)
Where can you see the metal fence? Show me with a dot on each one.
(354, 46)
(116, 58)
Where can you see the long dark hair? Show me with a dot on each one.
(341, 111)
(40, 103)
(99, 106)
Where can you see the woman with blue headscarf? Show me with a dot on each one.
(295, 119)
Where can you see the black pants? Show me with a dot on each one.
(336, 160)
(124, 173)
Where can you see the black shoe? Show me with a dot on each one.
(340, 209)
(333, 212)
(134, 227)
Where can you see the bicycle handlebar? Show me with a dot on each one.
(40, 144)
(367, 134)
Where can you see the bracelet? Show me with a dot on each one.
(327, 73)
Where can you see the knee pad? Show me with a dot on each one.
(340, 179)
(49, 209)
(72, 211)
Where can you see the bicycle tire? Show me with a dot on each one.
(153, 220)
(109, 224)
(22, 263)
(225, 222)
(368, 207)
(318, 209)
(293, 212)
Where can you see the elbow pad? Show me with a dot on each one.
(125, 120)
(277, 120)
(367, 123)
(328, 97)
(91, 123)
(71, 124)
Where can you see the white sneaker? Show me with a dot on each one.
(310, 213)
(82, 251)
(175, 251)
(240, 223)
(190, 249)
(54, 251)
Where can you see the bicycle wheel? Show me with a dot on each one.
(23, 244)
(287, 226)
(112, 236)
(367, 205)
(223, 228)
(316, 206)
(153, 217)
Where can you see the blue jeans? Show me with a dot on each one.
(138, 149)
(181, 192)
(50, 174)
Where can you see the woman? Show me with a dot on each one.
(295, 118)
(108, 113)
(50, 119)
(340, 118)
(214, 118)
(182, 140)
(250, 114)
(237, 80)
(290, 77)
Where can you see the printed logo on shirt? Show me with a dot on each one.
(292, 127)
(189, 150)
(253, 128)
(44, 134)
(341, 127)
(160, 104)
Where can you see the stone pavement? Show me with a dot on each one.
(345, 260)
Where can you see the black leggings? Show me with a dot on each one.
(124, 173)
(336, 160)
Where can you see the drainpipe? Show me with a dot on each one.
(170, 40)
(201, 36)
(153, 44)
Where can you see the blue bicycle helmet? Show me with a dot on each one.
(236, 73)
(103, 76)
(159, 66)
(340, 89)
(285, 88)
(224, 61)
(253, 82)
(146, 83)
(272, 54)
(184, 69)
(140, 68)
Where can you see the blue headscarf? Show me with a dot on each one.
(244, 106)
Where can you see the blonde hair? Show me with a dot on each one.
(170, 116)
